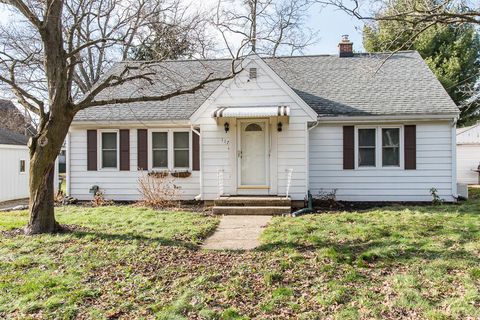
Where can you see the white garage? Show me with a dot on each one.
(14, 164)
(468, 154)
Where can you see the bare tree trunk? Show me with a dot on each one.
(43, 153)
(42, 218)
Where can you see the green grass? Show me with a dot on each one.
(136, 263)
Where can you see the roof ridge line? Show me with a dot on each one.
(266, 57)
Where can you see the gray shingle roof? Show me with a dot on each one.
(357, 86)
(6, 105)
(169, 76)
(9, 137)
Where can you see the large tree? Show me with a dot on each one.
(451, 51)
(55, 47)
(176, 34)
(271, 27)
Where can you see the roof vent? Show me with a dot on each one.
(345, 47)
(252, 73)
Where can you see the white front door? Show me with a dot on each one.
(253, 154)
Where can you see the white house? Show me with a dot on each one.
(14, 162)
(468, 154)
(289, 124)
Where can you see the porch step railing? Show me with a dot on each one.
(221, 189)
(289, 173)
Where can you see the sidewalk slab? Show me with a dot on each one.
(237, 233)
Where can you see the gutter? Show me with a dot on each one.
(392, 118)
(129, 123)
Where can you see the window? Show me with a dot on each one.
(366, 147)
(379, 147)
(181, 151)
(160, 149)
(253, 127)
(170, 149)
(109, 150)
(22, 166)
(391, 147)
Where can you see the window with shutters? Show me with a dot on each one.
(170, 149)
(181, 150)
(366, 147)
(109, 149)
(379, 147)
(390, 147)
(160, 150)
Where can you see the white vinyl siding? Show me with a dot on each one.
(14, 182)
(468, 160)
(117, 185)
(434, 168)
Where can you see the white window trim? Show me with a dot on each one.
(189, 168)
(170, 150)
(100, 149)
(378, 147)
(20, 166)
(150, 150)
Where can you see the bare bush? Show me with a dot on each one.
(158, 190)
(327, 198)
(100, 201)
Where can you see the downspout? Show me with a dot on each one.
(314, 125)
(198, 197)
(309, 208)
(454, 159)
(67, 159)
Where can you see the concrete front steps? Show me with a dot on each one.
(254, 205)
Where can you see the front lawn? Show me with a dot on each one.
(125, 262)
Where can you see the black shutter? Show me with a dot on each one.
(348, 147)
(124, 149)
(410, 142)
(142, 149)
(195, 151)
(91, 150)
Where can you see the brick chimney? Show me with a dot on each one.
(345, 47)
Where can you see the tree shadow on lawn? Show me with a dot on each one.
(134, 237)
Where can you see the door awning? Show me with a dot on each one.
(251, 112)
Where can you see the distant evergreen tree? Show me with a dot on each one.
(451, 51)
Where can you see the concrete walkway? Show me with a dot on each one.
(237, 233)
(13, 204)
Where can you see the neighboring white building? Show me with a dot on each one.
(14, 164)
(468, 154)
(318, 123)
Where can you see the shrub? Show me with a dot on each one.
(99, 200)
(158, 189)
